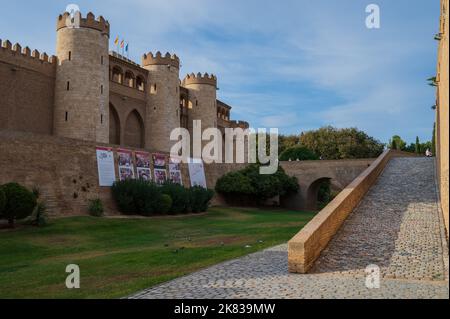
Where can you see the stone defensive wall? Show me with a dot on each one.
(305, 248)
(65, 170)
(31, 107)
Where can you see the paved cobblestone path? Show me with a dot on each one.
(397, 227)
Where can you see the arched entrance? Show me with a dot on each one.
(134, 130)
(317, 191)
(114, 126)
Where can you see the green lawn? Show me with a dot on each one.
(118, 257)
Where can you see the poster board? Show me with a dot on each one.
(175, 171)
(143, 166)
(197, 173)
(106, 167)
(126, 166)
(160, 163)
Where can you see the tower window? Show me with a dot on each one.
(70, 55)
(68, 85)
(101, 119)
(102, 59)
(101, 89)
(67, 116)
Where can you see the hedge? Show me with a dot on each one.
(139, 197)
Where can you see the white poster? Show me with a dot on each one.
(197, 173)
(106, 169)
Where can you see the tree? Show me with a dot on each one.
(393, 144)
(19, 203)
(397, 143)
(417, 146)
(249, 183)
(332, 143)
(298, 153)
(287, 141)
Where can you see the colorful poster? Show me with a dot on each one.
(143, 164)
(175, 171)
(106, 168)
(160, 162)
(126, 167)
(197, 173)
(160, 176)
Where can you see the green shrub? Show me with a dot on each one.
(199, 199)
(253, 185)
(20, 202)
(164, 204)
(136, 197)
(179, 196)
(2, 201)
(235, 183)
(298, 153)
(96, 208)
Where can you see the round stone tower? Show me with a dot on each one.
(163, 99)
(203, 99)
(82, 78)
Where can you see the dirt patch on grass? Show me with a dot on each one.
(58, 240)
(92, 254)
(215, 241)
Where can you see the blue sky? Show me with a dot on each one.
(292, 64)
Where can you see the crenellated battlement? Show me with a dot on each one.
(239, 124)
(159, 59)
(200, 79)
(16, 50)
(100, 24)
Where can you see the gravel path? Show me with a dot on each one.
(397, 227)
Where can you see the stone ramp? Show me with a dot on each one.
(397, 227)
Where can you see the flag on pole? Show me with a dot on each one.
(122, 46)
(126, 49)
(116, 43)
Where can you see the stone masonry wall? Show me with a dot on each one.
(442, 121)
(26, 90)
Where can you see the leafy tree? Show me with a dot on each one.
(251, 184)
(397, 143)
(19, 204)
(332, 143)
(287, 141)
(298, 153)
(417, 146)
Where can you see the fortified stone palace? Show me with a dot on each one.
(88, 93)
